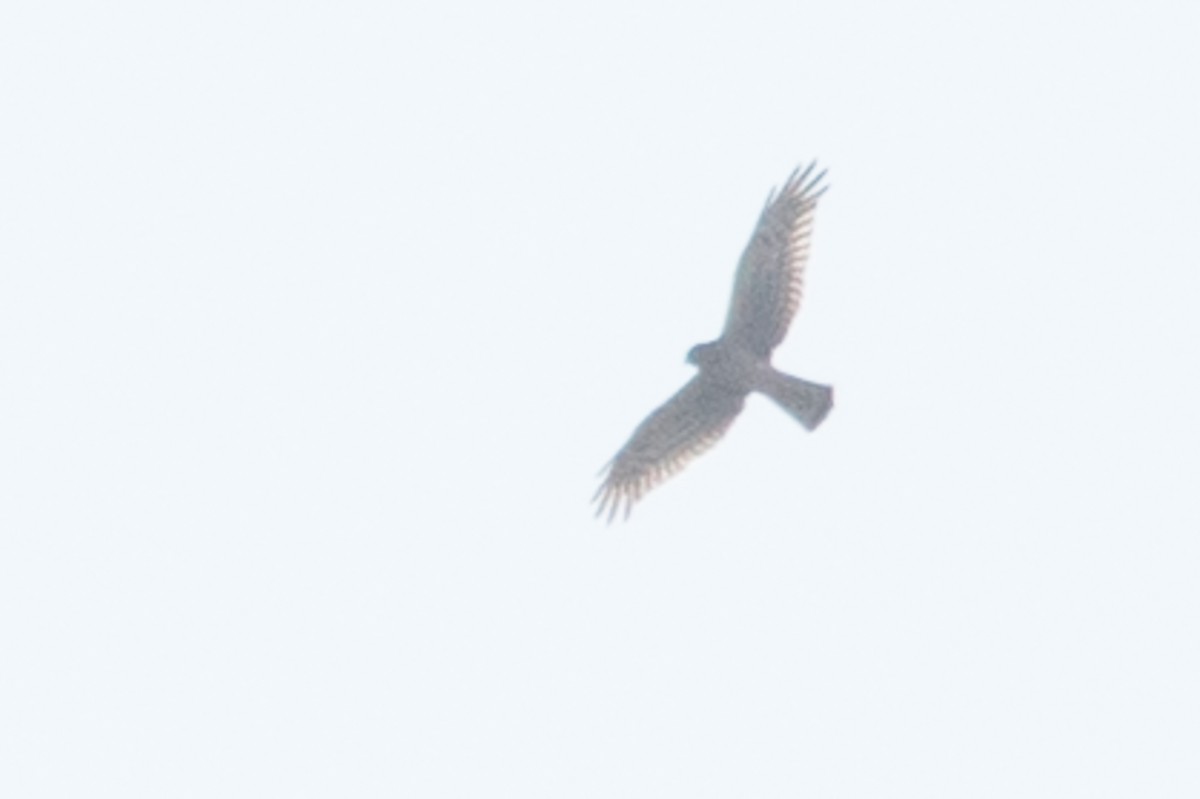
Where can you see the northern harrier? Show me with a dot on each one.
(766, 294)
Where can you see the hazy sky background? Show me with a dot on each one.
(317, 321)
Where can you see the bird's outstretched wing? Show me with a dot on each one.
(770, 275)
(683, 427)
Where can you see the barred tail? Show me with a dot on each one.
(808, 402)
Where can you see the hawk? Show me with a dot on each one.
(766, 294)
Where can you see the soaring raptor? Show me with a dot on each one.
(766, 294)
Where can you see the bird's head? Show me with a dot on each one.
(701, 354)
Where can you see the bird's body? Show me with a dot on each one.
(766, 295)
(728, 364)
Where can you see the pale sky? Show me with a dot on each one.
(317, 321)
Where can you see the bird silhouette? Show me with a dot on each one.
(766, 294)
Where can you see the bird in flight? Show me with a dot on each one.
(766, 294)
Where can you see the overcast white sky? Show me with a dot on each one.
(318, 319)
